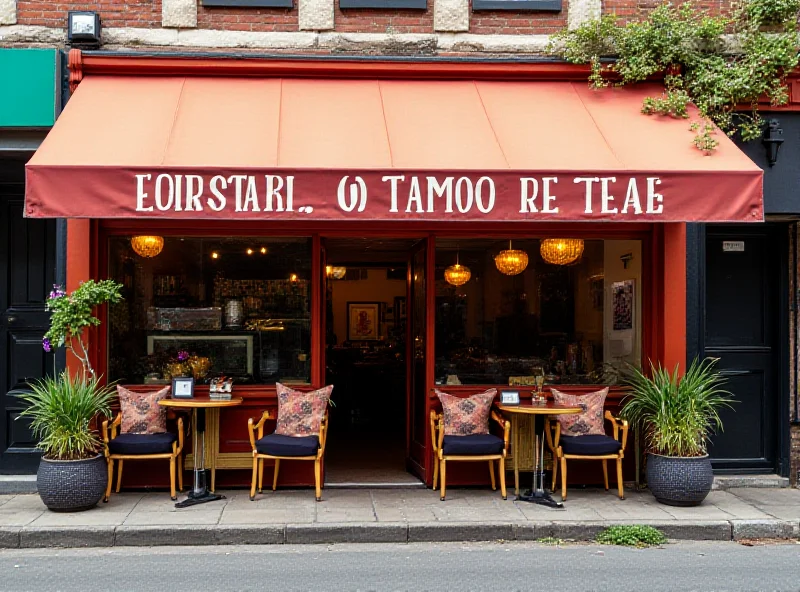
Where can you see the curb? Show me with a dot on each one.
(28, 537)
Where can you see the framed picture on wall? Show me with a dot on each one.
(622, 305)
(399, 307)
(363, 321)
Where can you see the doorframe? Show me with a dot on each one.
(696, 235)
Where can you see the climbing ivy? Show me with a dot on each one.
(719, 63)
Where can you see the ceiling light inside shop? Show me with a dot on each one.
(147, 246)
(214, 255)
(249, 251)
(511, 261)
(263, 250)
(561, 251)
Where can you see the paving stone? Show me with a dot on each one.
(24, 502)
(768, 497)
(146, 536)
(162, 503)
(568, 513)
(459, 531)
(177, 517)
(368, 532)
(249, 535)
(405, 514)
(66, 536)
(271, 516)
(19, 517)
(9, 537)
(791, 512)
(765, 529)
(89, 518)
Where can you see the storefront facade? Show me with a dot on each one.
(328, 200)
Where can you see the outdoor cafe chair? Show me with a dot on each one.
(142, 446)
(474, 447)
(588, 447)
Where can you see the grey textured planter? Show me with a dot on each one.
(72, 485)
(679, 481)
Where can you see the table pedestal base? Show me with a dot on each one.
(200, 493)
(539, 497)
(538, 494)
(199, 498)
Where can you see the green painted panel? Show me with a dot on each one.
(30, 87)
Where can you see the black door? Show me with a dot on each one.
(27, 274)
(745, 304)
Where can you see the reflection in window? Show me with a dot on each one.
(576, 323)
(210, 307)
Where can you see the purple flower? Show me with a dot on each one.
(183, 355)
(47, 345)
(57, 292)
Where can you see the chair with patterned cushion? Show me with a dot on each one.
(582, 437)
(461, 433)
(144, 436)
(300, 434)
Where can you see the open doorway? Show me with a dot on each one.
(366, 361)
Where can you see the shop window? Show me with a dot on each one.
(575, 323)
(210, 307)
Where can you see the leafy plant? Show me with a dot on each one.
(62, 410)
(676, 413)
(718, 63)
(72, 313)
(550, 541)
(631, 535)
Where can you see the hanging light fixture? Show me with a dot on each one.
(147, 246)
(511, 261)
(561, 251)
(457, 274)
(335, 272)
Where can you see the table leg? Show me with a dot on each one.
(515, 451)
(537, 494)
(199, 493)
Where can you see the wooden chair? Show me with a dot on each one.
(478, 447)
(593, 447)
(124, 447)
(279, 447)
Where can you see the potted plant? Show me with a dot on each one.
(64, 409)
(677, 414)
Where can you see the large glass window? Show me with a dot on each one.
(576, 322)
(210, 307)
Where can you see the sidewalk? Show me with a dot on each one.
(389, 515)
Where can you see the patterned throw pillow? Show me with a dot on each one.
(466, 416)
(299, 413)
(586, 423)
(141, 413)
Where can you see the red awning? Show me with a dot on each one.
(310, 149)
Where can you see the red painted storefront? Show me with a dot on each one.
(663, 243)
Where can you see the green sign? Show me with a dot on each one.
(28, 95)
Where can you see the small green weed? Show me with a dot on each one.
(550, 541)
(633, 535)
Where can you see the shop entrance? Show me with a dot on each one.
(367, 326)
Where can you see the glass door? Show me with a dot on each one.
(416, 358)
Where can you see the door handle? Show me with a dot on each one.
(734, 372)
(11, 319)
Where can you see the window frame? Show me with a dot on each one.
(248, 3)
(518, 5)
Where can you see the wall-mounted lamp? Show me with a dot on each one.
(83, 28)
(772, 140)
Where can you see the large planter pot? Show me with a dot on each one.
(72, 485)
(679, 481)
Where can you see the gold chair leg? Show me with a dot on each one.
(620, 487)
(179, 468)
(435, 472)
(253, 482)
(261, 475)
(110, 479)
(555, 473)
(213, 479)
(275, 474)
(563, 478)
(317, 479)
(605, 473)
(491, 474)
(502, 464)
(172, 493)
(119, 474)
(443, 477)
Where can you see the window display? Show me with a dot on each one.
(211, 308)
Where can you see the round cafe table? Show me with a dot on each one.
(198, 405)
(537, 494)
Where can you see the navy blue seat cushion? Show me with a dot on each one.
(142, 443)
(590, 445)
(280, 445)
(474, 444)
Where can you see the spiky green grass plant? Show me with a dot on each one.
(676, 413)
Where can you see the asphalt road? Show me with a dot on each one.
(418, 567)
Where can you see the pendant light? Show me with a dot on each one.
(561, 251)
(335, 272)
(511, 261)
(147, 246)
(457, 275)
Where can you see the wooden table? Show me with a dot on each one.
(537, 494)
(200, 493)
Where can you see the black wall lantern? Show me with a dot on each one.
(83, 28)
(772, 140)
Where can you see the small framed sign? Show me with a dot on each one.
(183, 388)
(509, 397)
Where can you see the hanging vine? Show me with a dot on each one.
(722, 64)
